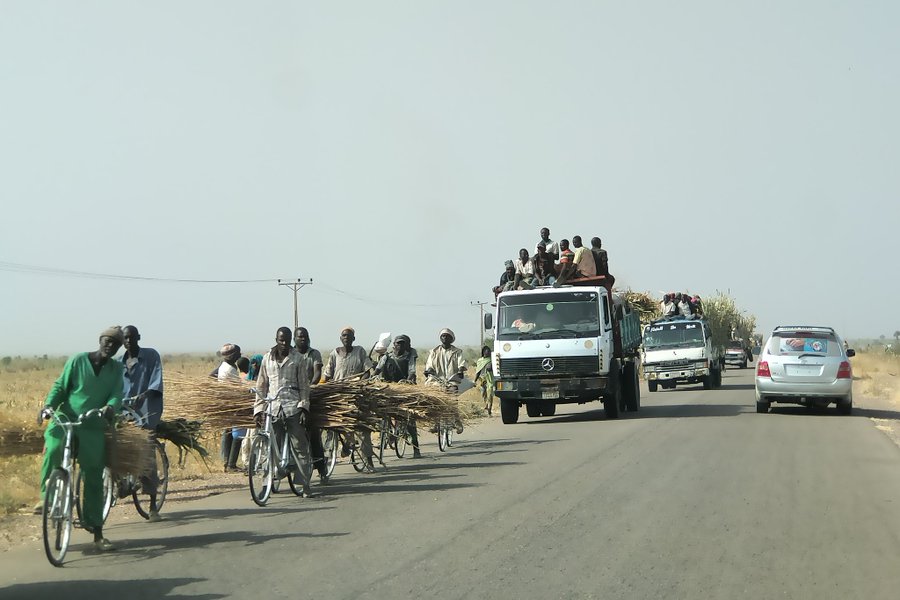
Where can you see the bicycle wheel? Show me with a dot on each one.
(401, 430)
(109, 494)
(161, 475)
(442, 437)
(57, 517)
(260, 469)
(359, 464)
(330, 446)
(305, 470)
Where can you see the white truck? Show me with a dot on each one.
(569, 344)
(678, 350)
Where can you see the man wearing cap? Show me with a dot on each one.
(445, 365)
(507, 279)
(144, 383)
(399, 364)
(89, 380)
(345, 362)
(283, 373)
(228, 371)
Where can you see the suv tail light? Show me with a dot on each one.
(762, 369)
(844, 371)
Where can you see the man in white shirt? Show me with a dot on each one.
(584, 259)
(524, 271)
(551, 246)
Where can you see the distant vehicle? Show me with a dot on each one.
(804, 365)
(736, 354)
(679, 351)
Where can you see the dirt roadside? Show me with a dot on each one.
(25, 528)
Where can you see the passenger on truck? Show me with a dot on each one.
(507, 279)
(551, 246)
(684, 306)
(543, 267)
(565, 270)
(601, 260)
(524, 278)
(583, 259)
(670, 308)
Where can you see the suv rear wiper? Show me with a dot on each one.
(809, 354)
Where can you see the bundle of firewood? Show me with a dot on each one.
(347, 405)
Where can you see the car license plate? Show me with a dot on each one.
(802, 370)
(549, 394)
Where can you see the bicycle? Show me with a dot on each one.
(270, 462)
(56, 516)
(117, 488)
(445, 426)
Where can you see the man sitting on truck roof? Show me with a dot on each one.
(524, 272)
(507, 279)
(684, 306)
(551, 246)
(601, 260)
(583, 260)
(566, 268)
(543, 267)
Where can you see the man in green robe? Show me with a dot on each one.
(89, 380)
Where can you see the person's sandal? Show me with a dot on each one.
(154, 517)
(104, 545)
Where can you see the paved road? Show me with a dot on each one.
(696, 497)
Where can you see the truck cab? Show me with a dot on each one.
(680, 350)
(570, 344)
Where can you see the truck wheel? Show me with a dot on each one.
(744, 364)
(762, 406)
(708, 382)
(509, 411)
(717, 378)
(613, 396)
(548, 408)
(651, 386)
(631, 391)
(533, 408)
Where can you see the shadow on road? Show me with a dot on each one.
(737, 386)
(138, 589)
(217, 514)
(831, 411)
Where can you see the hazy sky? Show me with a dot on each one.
(398, 152)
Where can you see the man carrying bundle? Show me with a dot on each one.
(144, 383)
(446, 366)
(90, 380)
(400, 365)
(352, 362)
(283, 373)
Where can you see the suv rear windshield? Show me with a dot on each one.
(793, 343)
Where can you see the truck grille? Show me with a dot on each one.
(562, 365)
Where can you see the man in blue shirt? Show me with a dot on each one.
(144, 382)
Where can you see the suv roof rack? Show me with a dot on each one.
(804, 328)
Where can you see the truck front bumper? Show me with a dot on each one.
(561, 391)
(686, 374)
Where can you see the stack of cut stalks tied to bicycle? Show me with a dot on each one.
(342, 411)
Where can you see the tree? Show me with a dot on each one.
(897, 336)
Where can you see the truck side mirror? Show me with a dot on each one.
(851, 353)
(488, 321)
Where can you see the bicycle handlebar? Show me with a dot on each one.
(63, 419)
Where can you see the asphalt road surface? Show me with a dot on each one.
(696, 496)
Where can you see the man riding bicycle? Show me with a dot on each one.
(446, 366)
(90, 380)
(283, 372)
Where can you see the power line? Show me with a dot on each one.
(39, 270)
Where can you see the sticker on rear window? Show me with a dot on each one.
(804, 345)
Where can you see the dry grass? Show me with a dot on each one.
(877, 376)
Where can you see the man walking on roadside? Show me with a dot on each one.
(89, 380)
(144, 383)
(282, 373)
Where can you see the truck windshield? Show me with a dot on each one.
(673, 335)
(546, 316)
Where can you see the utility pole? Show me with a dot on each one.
(295, 285)
(480, 306)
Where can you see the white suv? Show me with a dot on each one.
(804, 365)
